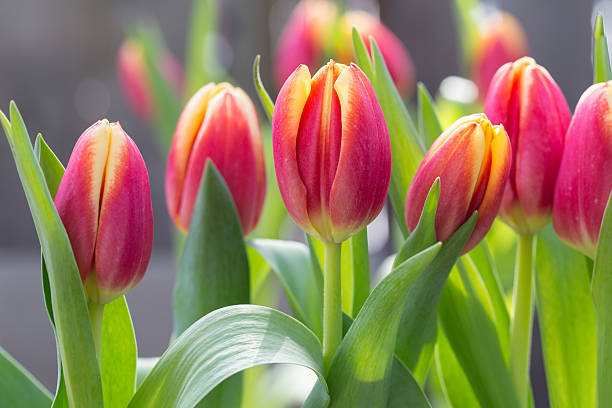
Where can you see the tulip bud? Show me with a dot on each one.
(396, 56)
(472, 160)
(332, 152)
(526, 100)
(134, 78)
(104, 202)
(585, 175)
(502, 40)
(220, 123)
(304, 37)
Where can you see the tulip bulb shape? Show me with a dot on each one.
(104, 202)
(585, 175)
(219, 123)
(332, 152)
(527, 101)
(472, 160)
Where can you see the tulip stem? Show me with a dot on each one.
(332, 303)
(96, 313)
(522, 317)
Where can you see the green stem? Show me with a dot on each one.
(96, 312)
(522, 316)
(332, 303)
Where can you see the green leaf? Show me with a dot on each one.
(468, 320)
(214, 268)
(567, 322)
(19, 388)
(264, 96)
(119, 355)
(144, 365)
(601, 287)
(429, 125)
(221, 344)
(468, 30)
(303, 284)
(601, 58)
(406, 147)
(73, 329)
(202, 66)
(405, 390)
(356, 261)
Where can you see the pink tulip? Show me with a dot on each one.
(472, 160)
(502, 40)
(219, 123)
(332, 151)
(104, 202)
(526, 100)
(585, 175)
(134, 77)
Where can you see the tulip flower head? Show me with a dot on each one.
(134, 78)
(585, 175)
(104, 202)
(502, 40)
(219, 123)
(332, 152)
(472, 160)
(527, 101)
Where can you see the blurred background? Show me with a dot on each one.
(58, 62)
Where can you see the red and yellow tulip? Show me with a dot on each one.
(104, 202)
(528, 102)
(585, 175)
(219, 123)
(472, 160)
(332, 151)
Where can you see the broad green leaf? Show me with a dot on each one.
(405, 390)
(202, 66)
(119, 355)
(468, 320)
(601, 58)
(214, 269)
(18, 387)
(601, 287)
(144, 365)
(303, 284)
(73, 329)
(357, 257)
(567, 322)
(455, 386)
(406, 147)
(221, 344)
(429, 125)
(264, 96)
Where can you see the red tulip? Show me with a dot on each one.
(104, 202)
(134, 78)
(502, 40)
(472, 160)
(585, 175)
(393, 51)
(332, 151)
(526, 100)
(220, 123)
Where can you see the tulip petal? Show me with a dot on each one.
(78, 195)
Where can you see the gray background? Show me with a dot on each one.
(57, 60)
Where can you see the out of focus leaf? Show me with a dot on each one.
(468, 30)
(567, 322)
(222, 344)
(601, 287)
(18, 387)
(429, 125)
(73, 329)
(264, 96)
(202, 66)
(601, 58)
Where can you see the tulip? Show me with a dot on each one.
(502, 40)
(104, 202)
(527, 101)
(472, 160)
(396, 56)
(332, 151)
(585, 175)
(134, 78)
(303, 39)
(219, 123)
